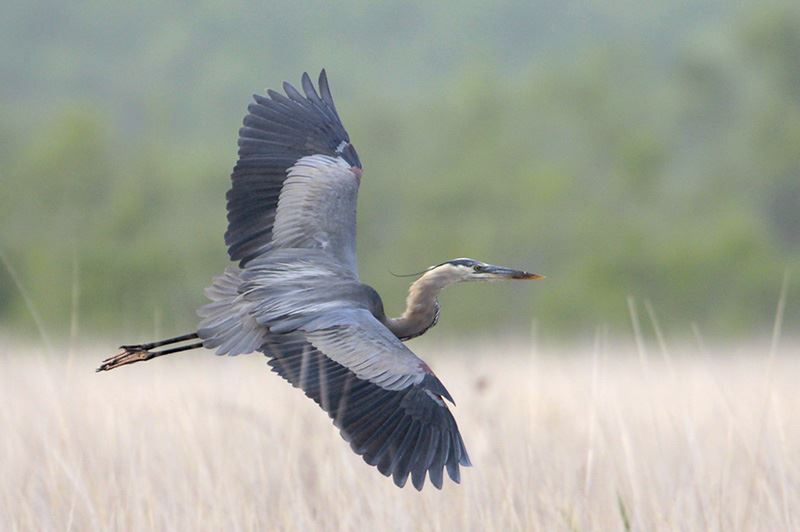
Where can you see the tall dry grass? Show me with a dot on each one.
(575, 439)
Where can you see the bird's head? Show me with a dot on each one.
(462, 270)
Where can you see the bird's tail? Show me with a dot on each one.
(227, 325)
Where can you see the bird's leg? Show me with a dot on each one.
(141, 352)
(151, 345)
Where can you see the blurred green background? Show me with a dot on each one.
(624, 149)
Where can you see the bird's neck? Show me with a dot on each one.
(422, 306)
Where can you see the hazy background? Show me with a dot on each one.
(623, 149)
(642, 155)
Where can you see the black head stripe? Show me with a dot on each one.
(469, 263)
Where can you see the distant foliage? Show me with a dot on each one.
(617, 161)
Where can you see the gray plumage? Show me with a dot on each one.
(296, 295)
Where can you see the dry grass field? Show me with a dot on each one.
(572, 439)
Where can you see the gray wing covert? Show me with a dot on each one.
(317, 208)
(278, 291)
(278, 132)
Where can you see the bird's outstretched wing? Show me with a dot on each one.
(313, 319)
(397, 421)
(296, 138)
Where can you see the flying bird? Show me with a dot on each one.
(295, 294)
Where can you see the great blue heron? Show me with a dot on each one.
(296, 296)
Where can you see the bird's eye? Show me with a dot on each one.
(478, 268)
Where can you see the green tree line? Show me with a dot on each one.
(616, 170)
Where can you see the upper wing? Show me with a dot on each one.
(279, 132)
(317, 209)
(384, 400)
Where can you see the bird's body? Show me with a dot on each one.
(296, 296)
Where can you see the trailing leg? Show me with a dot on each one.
(142, 352)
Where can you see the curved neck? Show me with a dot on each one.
(422, 307)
